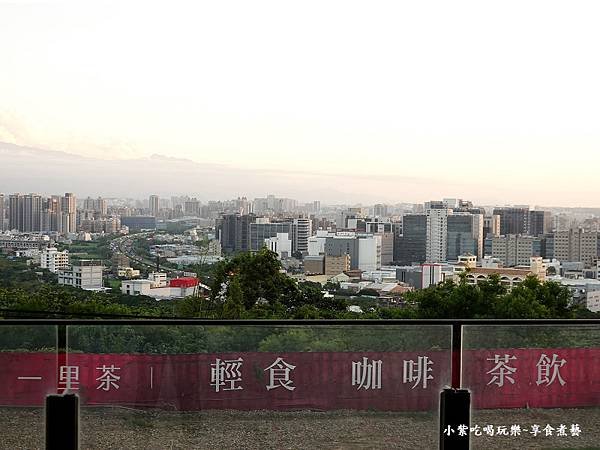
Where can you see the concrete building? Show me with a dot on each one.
(2, 213)
(263, 229)
(127, 272)
(465, 235)
(25, 212)
(364, 249)
(280, 244)
(410, 246)
(491, 226)
(301, 231)
(84, 274)
(139, 223)
(157, 286)
(514, 250)
(314, 265)
(509, 277)
(576, 245)
(540, 223)
(437, 233)
(68, 209)
(54, 260)
(335, 265)
(153, 205)
(513, 220)
(97, 205)
(233, 232)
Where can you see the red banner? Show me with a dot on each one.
(387, 381)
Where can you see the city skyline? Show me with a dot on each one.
(375, 102)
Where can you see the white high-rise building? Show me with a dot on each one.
(54, 260)
(280, 244)
(153, 205)
(437, 234)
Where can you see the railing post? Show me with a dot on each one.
(62, 422)
(455, 403)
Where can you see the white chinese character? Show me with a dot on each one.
(575, 430)
(561, 430)
(69, 377)
(108, 378)
(448, 431)
(548, 430)
(515, 430)
(502, 370)
(489, 430)
(544, 365)
(417, 371)
(226, 371)
(535, 430)
(476, 430)
(366, 375)
(463, 430)
(501, 430)
(279, 372)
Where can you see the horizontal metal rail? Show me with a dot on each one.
(301, 322)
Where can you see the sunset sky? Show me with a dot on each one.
(480, 98)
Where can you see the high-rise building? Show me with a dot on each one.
(25, 212)
(410, 247)
(515, 250)
(263, 229)
(465, 235)
(2, 209)
(301, 231)
(153, 205)
(233, 232)
(540, 222)
(513, 220)
(380, 210)
(192, 207)
(491, 226)
(51, 214)
(69, 213)
(97, 205)
(437, 233)
(576, 245)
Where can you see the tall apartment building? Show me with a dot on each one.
(437, 233)
(97, 205)
(301, 231)
(69, 213)
(192, 207)
(465, 235)
(25, 212)
(233, 232)
(364, 250)
(54, 260)
(410, 246)
(540, 223)
(153, 205)
(491, 226)
(513, 220)
(576, 245)
(515, 250)
(2, 213)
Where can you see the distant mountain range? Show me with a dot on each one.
(27, 169)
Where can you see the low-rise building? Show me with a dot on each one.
(157, 286)
(84, 274)
(54, 260)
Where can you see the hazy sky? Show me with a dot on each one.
(482, 98)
